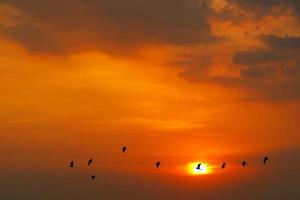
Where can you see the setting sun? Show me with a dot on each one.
(203, 170)
(149, 99)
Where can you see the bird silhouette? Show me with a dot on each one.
(157, 164)
(71, 164)
(90, 162)
(244, 163)
(93, 177)
(265, 159)
(198, 166)
(223, 165)
(124, 149)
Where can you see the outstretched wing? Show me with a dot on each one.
(265, 160)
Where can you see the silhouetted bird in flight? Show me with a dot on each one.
(93, 177)
(90, 162)
(157, 164)
(124, 149)
(71, 164)
(198, 166)
(223, 165)
(244, 163)
(265, 159)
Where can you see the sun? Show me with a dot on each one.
(204, 168)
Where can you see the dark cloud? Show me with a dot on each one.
(280, 54)
(258, 63)
(272, 73)
(239, 10)
(275, 70)
(111, 26)
(258, 72)
(258, 4)
(293, 71)
(195, 67)
(35, 39)
(260, 8)
(287, 43)
(256, 56)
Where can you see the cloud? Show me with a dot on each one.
(272, 72)
(255, 56)
(280, 54)
(122, 28)
(36, 40)
(238, 11)
(109, 26)
(290, 43)
(261, 8)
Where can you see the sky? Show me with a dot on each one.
(177, 81)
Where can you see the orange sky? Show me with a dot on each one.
(180, 82)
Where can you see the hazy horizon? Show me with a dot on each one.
(181, 82)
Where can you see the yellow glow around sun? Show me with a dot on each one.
(204, 169)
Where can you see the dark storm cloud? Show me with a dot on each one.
(111, 26)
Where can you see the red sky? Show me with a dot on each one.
(180, 81)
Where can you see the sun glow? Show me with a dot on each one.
(204, 168)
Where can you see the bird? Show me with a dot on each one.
(223, 165)
(265, 159)
(90, 162)
(198, 166)
(244, 163)
(93, 177)
(157, 164)
(71, 164)
(124, 149)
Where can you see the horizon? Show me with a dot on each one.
(191, 84)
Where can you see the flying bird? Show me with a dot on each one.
(223, 165)
(124, 149)
(71, 164)
(157, 164)
(93, 177)
(265, 159)
(244, 163)
(198, 166)
(90, 162)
